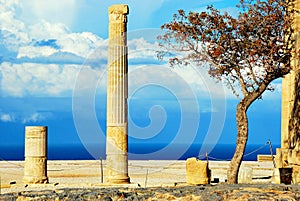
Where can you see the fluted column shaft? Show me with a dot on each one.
(117, 93)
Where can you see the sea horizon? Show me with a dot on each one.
(140, 151)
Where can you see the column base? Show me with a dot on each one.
(118, 180)
(116, 155)
(35, 180)
(35, 170)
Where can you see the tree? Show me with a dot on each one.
(246, 53)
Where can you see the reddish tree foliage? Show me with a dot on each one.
(247, 53)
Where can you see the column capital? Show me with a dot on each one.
(118, 12)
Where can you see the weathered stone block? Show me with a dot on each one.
(197, 171)
(245, 175)
(264, 158)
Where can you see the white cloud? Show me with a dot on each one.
(32, 42)
(25, 38)
(33, 118)
(31, 79)
(38, 79)
(24, 118)
(179, 80)
(80, 43)
(139, 48)
(32, 52)
(13, 30)
(6, 118)
(203, 84)
(194, 76)
(46, 30)
(53, 11)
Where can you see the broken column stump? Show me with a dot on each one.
(197, 171)
(35, 168)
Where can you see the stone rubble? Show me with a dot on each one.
(220, 192)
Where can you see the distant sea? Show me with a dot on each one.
(137, 152)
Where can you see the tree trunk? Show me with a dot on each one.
(242, 126)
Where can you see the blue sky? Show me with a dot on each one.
(53, 57)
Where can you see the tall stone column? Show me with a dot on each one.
(35, 168)
(117, 92)
(286, 108)
(289, 94)
(289, 153)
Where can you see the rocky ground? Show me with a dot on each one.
(251, 192)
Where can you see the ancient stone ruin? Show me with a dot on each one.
(197, 172)
(35, 168)
(288, 156)
(117, 92)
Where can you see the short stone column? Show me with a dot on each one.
(35, 168)
(197, 171)
(117, 93)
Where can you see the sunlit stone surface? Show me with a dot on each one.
(35, 167)
(289, 153)
(117, 92)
